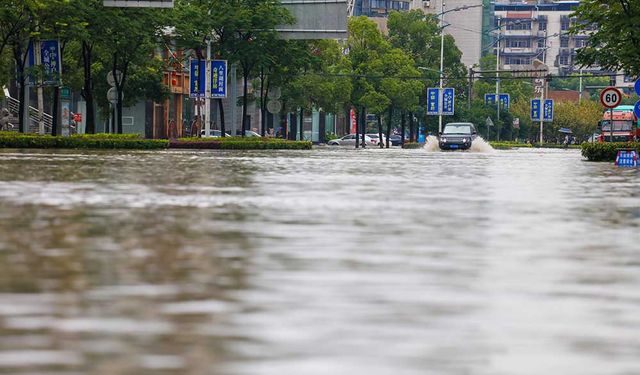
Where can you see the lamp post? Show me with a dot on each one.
(442, 26)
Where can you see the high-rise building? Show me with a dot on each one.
(530, 31)
(463, 20)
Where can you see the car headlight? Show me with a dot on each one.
(444, 140)
(464, 140)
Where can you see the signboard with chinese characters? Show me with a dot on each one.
(49, 60)
(448, 101)
(138, 3)
(433, 101)
(219, 78)
(505, 101)
(537, 109)
(197, 78)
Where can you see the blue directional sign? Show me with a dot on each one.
(433, 101)
(197, 78)
(504, 101)
(219, 78)
(636, 109)
(535, 109)
(448, 101)
(490, 99)
(627, 158)
(547, 111)
(636, 86)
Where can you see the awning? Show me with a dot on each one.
(565, 130)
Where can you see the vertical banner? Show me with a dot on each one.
(448, 101)
(548, 110)
(66, 117)
(535, 109)
(218, 78)
(196, 78)
(354, 123)
(433, 101)
(51, 62)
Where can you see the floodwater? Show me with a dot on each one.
(323, 262)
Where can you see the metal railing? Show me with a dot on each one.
(34, 116)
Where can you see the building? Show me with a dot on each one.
(466, 24)
(538, 31)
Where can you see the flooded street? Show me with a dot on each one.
(331, 261)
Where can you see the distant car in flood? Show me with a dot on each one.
(375, 138)
(350, 140)
(457, 136)
(212, 134)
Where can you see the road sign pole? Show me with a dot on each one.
(207, 91)
(542, 114)
(611, 122)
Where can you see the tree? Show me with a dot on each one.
(582, 118)
(612, 25)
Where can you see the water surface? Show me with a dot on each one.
(331, 261)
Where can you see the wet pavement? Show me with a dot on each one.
(331, 261)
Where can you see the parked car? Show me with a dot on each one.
(395, 140)
(457, 136)
(213, 134)
(247, 133)
(350, 140)
(375, 138)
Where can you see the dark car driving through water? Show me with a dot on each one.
(457, 136)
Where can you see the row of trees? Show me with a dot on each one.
(371, 72)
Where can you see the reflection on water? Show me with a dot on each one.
(333, 261)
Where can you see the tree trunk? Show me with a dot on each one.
(22, 83)
(411, 133)
(55, 125)
(380, 142)
(389, 125)
(293, 131)
(245, 73)
(402, 126)
(222, 126)
(87, 91)
(302, 124)
(322, 127)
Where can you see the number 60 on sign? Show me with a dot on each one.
(610, 97)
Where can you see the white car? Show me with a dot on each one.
(212, 134)
(350, 140)
(375, 138)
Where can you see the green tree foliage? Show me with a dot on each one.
(612, 25)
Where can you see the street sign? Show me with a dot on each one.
(274, 93)
(505, 101)
(65, 93)
(636, 109)
(51, 62)
(547, 111)
(197, 78)
(610, 97)
(535, 109)
(627, 158)
(516, 123)
(448, 101)
(111, 80)
(636, 87)
(218, 78)
(433, 101)
(488, 122)
(490, 99)
(274, 106)
(112, 95)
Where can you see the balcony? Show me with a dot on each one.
(519, 50)
(527, 33)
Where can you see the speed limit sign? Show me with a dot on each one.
(610, 97)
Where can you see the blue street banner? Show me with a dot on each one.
(433, 101)
(636, 109)
(218, 78)
(636, 86)
(490, 99)
(547, 111)
(627, 158)
(448, 101)
(505, 101)
(50, 61)
(535, 109)
(197, 78)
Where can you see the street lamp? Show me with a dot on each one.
(442, 26)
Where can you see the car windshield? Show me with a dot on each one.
(457, 129)
(618, 125)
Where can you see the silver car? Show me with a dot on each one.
(350, 140)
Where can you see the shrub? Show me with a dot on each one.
(412, 145)
(99, 141)
(239, 143)
(506, 145)
(606, 151)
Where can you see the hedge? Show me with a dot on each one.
(239, 143)
(505, 145)
(605, 151)
(412, 145)
(98, 141)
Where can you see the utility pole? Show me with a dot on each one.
(207, 91)
(498, 80)
(470, 93)
(442, 6)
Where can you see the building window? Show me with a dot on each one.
(526, 25)
(564, 60)
(564, 42)
(518, 60)
(581, 43)
(542, 25)
(564, 23)
(518, 43)
(541, 43)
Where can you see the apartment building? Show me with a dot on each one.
(530, 31)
